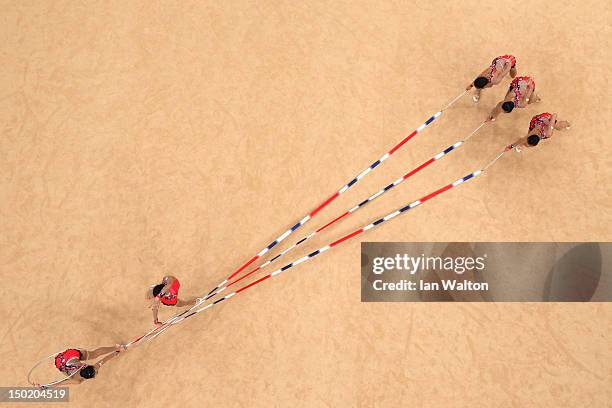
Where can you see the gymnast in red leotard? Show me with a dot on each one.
(540, 127)
(166, 293)
(493, 75)
(73, 359)
(520, 94)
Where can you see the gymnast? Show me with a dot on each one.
(520, 94)
(166, 293)
(540, 127)
(72, 359)
(493, 75)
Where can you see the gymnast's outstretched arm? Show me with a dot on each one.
(495, 112)
(100, 351)
(106, 359)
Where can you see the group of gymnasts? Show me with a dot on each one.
(73, 359)
(521, 93)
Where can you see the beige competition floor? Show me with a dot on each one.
(147, 138)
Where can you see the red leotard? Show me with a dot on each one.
(170, 298)
(518, 86)
(512, 59)
(63, 360)
(541, 121)
(503, 58)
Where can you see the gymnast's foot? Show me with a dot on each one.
(476, 98)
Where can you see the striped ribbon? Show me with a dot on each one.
(353, 209)
(345, 238)
(194, 309)
(334, 196)
(158, 330)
